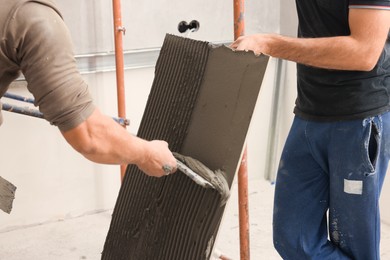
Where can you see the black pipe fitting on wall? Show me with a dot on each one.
(184, 26)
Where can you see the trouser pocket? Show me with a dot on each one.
(372, 145)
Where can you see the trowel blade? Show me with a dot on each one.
(193, 175)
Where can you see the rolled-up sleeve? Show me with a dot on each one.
(42, 46)
(370, 4)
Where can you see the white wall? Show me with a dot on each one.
(147, 22)
(53, 181)
(385, 200)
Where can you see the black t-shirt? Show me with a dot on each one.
(328, 95)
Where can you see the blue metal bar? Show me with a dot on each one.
(122, 121)
(22, 110)
(20, 98)
(35, 113)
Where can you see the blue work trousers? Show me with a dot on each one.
(327, 189)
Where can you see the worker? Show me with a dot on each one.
(36, 42)
(336, 154)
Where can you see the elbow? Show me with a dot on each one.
(86, 148)
(367, 64)
(86, 137)
(367, 59)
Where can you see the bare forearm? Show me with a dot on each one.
(102, 140)
(343, 53)
(110, 143)
(358, 51)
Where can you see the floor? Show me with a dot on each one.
(83, 237)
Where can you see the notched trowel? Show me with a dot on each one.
(195, 177)
(203, 176)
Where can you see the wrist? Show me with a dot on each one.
(140, 154)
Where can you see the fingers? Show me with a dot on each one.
(236, 44)
(168, 169)
(160, 160)
(246, 43)
(171, 165)
(242, 43)
(241, 46)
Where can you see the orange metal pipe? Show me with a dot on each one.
(119, 31)
(239, 19)
(243, 207)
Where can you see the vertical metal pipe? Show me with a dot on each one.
(239, 19)
(119, 31)
(243, 207)
(273, 139)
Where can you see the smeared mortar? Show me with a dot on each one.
(217, 178)
(7, 195)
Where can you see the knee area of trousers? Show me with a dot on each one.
(282, 248)
(287, 242)
(281, 242)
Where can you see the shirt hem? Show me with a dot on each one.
(335, 118)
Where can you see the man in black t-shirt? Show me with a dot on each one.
(336, 155)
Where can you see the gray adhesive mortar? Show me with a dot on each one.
(224, 108)
(201, 103)
(7, 195)
(216, 178)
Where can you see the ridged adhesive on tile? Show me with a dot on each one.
(201, 103)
